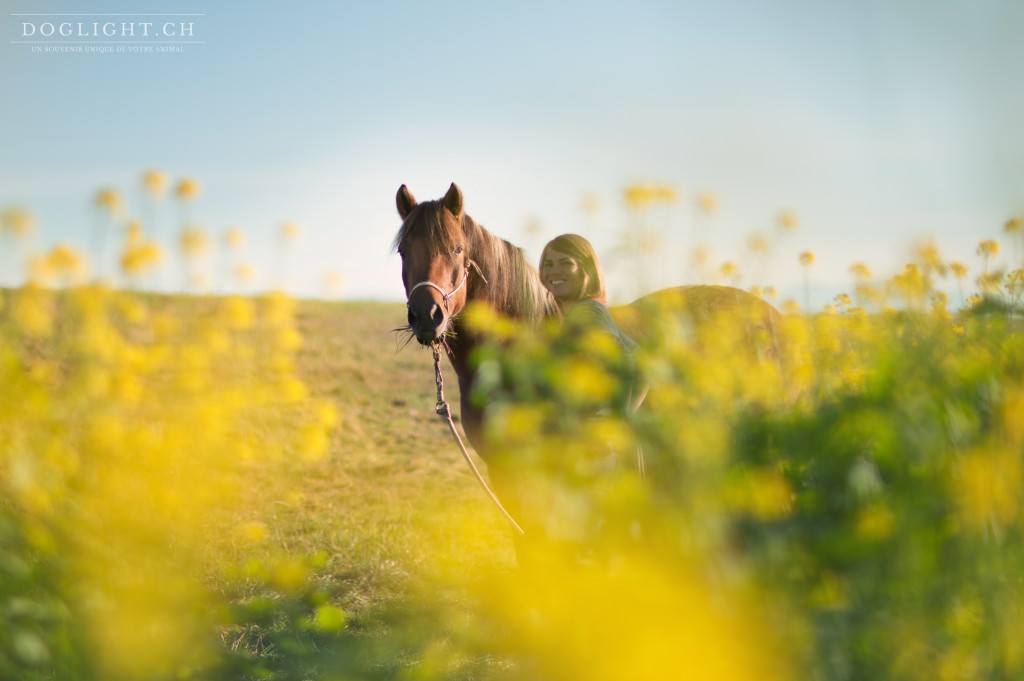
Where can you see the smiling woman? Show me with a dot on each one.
(570, 269)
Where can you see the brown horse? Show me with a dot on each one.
(448, 259)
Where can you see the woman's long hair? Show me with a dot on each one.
(580, 249)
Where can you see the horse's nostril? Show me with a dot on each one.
(437, 315)
(412, 317)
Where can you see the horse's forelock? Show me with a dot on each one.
(430, 226)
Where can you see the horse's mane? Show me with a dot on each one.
(513, 285)
(505, 280)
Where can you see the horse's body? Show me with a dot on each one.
(448, 260)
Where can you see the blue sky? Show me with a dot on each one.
(877, 122)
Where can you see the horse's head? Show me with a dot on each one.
(434, 244)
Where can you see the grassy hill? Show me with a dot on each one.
(394, 482)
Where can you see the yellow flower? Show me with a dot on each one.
(1014, 225)
(786, 221)
(239, 313)
(155, 183)
(700, 255)
(329, 618)
(860, 271)
(234, 238)
(707, 203)
(958, 269)
(988, 248)
(289, 575)
(807, 258)
(912, 284)
(290, 231)
(665, 193)
(140, 256)
(928, 256)
(133, 233)
(33, 312)
(639, 196)
(990, 282)
(17, 221)
(758, 243)
(790, 307)
(729, 270)
(110, 200)
(245, 273)
(582, 382)
(986, 485)
(288, 338)
(193, 241)
(66, 262)
(253, 532)
(188, 189)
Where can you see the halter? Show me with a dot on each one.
(446, 297)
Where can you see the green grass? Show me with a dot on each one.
(394, 482)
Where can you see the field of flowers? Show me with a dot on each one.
(244, 487)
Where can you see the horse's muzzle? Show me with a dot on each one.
(427, 321)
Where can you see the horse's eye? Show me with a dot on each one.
(457, 251)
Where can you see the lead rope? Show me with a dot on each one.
(442, 409)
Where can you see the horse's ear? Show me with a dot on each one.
(406, 201)
(453, 200)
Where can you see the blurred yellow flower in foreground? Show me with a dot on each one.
(253, 532)
(17, 221)
(707, 203)
(860, 271)
(194, 241)
(988, 248)
(110, 201)
(787, 221)
(927, 254)
(290, 231)
(234, 238)
(640, 196)
(641, 620)
(245, 273)
(806, 258)
(155, 183)
(188, 189)
(61, 262)
(987, 486)
(66, 262)
(239, 313)
(758, 242)
(140, 256)
(729, 270)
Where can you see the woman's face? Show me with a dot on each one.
(562, 275)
